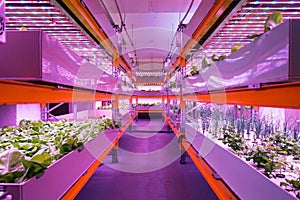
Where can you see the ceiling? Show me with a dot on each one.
(150, 25)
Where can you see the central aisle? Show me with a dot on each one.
(148, 169)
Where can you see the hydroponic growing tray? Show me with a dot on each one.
(273, 57)
(61, 175)
(36, 56)
(244, 180)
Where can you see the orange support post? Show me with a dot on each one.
(182, 62)
(115, 101)
(116, 62)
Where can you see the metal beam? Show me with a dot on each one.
(284, 95)
(16, 92)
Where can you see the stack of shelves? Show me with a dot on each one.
(44, 71)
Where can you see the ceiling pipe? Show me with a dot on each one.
(127, 34)
(110, 19)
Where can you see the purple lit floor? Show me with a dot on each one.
(147, 169)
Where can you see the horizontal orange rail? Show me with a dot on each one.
(281, 95)
(150, 111)
(16, 92)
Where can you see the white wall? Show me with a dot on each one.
(28, 111)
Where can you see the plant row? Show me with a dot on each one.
(276, 156)
(27, 150)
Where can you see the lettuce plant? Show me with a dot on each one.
(27, 150)
(292, 185)
(234, 141)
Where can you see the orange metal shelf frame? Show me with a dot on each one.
(280, 95)
(284, 95)
(16, 92)
(89, 22)
(150, 111)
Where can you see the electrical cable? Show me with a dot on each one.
(127, 34)
(120, 15)
(106, 12)
(132, 44)
(187, 12)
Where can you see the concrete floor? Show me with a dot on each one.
(148, 169)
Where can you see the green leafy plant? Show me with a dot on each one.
(272, 163)
(235, 48)
(214, 58)
(284, 145)
(292, 185)
(205, 62)
(11, 165)
(194, 71)
(234, 141)
(265, 159)
(259, 155)
(281, 164)
(271, 22)
(26, 151)
(274, 153)
(172, 84)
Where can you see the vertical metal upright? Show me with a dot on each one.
(182, 102)
(167, 106)
(182, 106)
(194, 105)
(115, 100)
(75, 105)
(44, 112)
(131, 112)
(163, 102)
